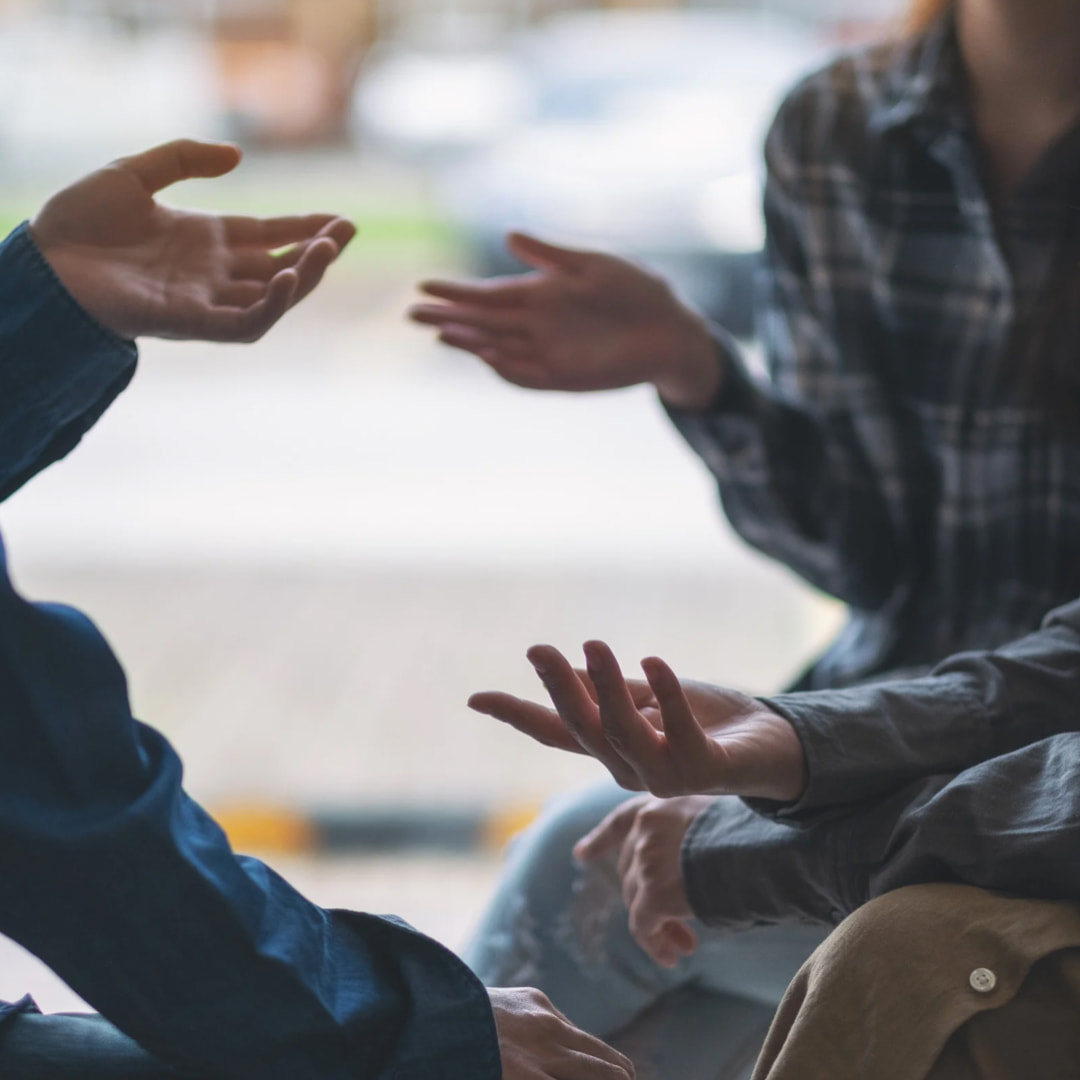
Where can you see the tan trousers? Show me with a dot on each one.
(936, 982)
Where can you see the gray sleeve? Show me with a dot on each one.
(1010, 824)
(868, 741)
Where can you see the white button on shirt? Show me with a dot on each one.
(982, 980)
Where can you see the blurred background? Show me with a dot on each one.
(309, 552)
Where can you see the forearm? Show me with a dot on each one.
(1010, 824)
(59, 369)
(128, 890)
(215, 965)
(868, 741)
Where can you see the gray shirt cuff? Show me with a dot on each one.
(742, 870)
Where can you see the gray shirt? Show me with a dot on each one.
(971, 774)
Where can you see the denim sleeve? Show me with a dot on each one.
(59, 368)
(790, 454)
(869, 741)
(1010, 824)
(130, 892)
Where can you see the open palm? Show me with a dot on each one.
(141, 268)
(579, 321)
(663, 736)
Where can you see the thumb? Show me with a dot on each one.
(668, 943)
(544, 256)
(184, 159)
(609, 834)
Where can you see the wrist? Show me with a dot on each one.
(693, 371)
(789, 778)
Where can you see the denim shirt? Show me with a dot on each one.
(121, 883)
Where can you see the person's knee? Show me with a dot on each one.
(549, 841)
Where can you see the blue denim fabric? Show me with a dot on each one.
(563, 928)
(74, 1047)
(113, 876)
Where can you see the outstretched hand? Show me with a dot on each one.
(661, 736)
(581, 320)
(144, 269)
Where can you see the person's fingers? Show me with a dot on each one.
(685, 736)
(313, 265)
(569, 697)
(609, 834)
(544, 256)
(493, 292)
(576, 708)
(579, 1065)
(640, 690)
(530, 719)
(509, 348)
(595, 1059)
(667, 941)
(182, 159)
(249, 324)
(503, 357)
(628, 875)
(635, 739)
(586, 681)
(508, 322)
(469, 339)
(276, 232)
(341, 230)
(240, 294)
(258, 262)
(250, 264)
(522, 373)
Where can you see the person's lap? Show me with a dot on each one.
(553, 924)
(562, 927)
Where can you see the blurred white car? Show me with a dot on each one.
(639, 132)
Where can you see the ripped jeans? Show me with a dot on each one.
(562, 928)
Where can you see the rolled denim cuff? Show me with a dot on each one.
(59, 368)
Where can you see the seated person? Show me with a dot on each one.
(936, 982)
(913, 452)
(208, 963)
(970, 776)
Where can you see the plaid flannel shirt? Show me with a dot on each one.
(886, 459)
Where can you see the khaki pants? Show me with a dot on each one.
(936, 982)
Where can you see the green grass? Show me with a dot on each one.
(388, 234)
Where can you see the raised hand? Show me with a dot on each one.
(579, 321)
(648, 833)
(538, 1043)
(144, 269)
(665, 737)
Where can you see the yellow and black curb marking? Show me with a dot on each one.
(257, 827)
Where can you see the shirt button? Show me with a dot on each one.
(982, 980)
